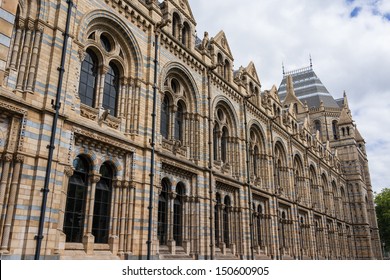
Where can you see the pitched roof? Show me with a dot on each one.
(307, 87)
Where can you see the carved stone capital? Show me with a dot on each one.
(81, 54)
(21, 23)
(68, 170)
(19, 158)
(7, 157)
(95, 178)
(125, 184)
(172, 195)
(30, 24)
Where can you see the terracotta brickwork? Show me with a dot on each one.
(310, 194)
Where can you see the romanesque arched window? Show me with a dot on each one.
(299, 181)
(335, 130)
(88, 77)
(317, 127)
(103, 72)
(224, 144)
(162, 223)
(178, 214)
(164, 117)
(220, 64)
(226, 221)
(111, 89)
(226, 70)
(314, 187)
(186, 35)
(102, 206)
(75, 201)
(216, 140)
(217, 223)
(259, 225)
(179, 121)
(176, 22)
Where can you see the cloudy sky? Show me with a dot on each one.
(349, 41)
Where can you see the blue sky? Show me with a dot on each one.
(349, 41)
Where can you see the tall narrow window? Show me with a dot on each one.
(317, 126)
(178, 215)
(88, 75)
(226, 227)
(179, 122)
(102, 206)
(217, 219)
(335, 130)
(215, 141)
(162, 224)
(75, 201)
(164, 121)
(224, 144)
(259, 222)
(255, 160)
(111, 89)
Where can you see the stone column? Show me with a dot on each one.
(25, 54)
(7, 159)
(114, 239)
(34, 57)
(129, 221)
(61, 238)
(11, 203)
(18, 37)
(100, 91)
(89, 239)
(171, 242)
(123, 217)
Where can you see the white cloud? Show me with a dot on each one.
(349, 54)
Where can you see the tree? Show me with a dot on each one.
(382, 208)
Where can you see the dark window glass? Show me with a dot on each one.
(164, 125)
(106, 44)
(259, 218)
(162, 226)
(75, 201)
(255, 157)
(102, 206)
(335, 130)
(215, 141)
(88, 75)
(111, 89)
(178, 215)
(217, 209)
(226, 227)
(179, 121)
(224, 144)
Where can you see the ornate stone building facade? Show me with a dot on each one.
(238, 171)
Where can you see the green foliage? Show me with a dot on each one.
(382, 208)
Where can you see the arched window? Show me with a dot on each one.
(175, 25)
(162, 224)
(278, 172)
(75, 201)
(335, 130)
(178, 214)
(220, 64)
(179, 122)
(317, 126)
(255, 160)
(215, 141)
(102, 206)
(224, 144)
(164, 120)
(217, 208)
(259, 222)
(226, 227)
(226, 70)
(185, 36)
(111, 89)
(88, 75)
